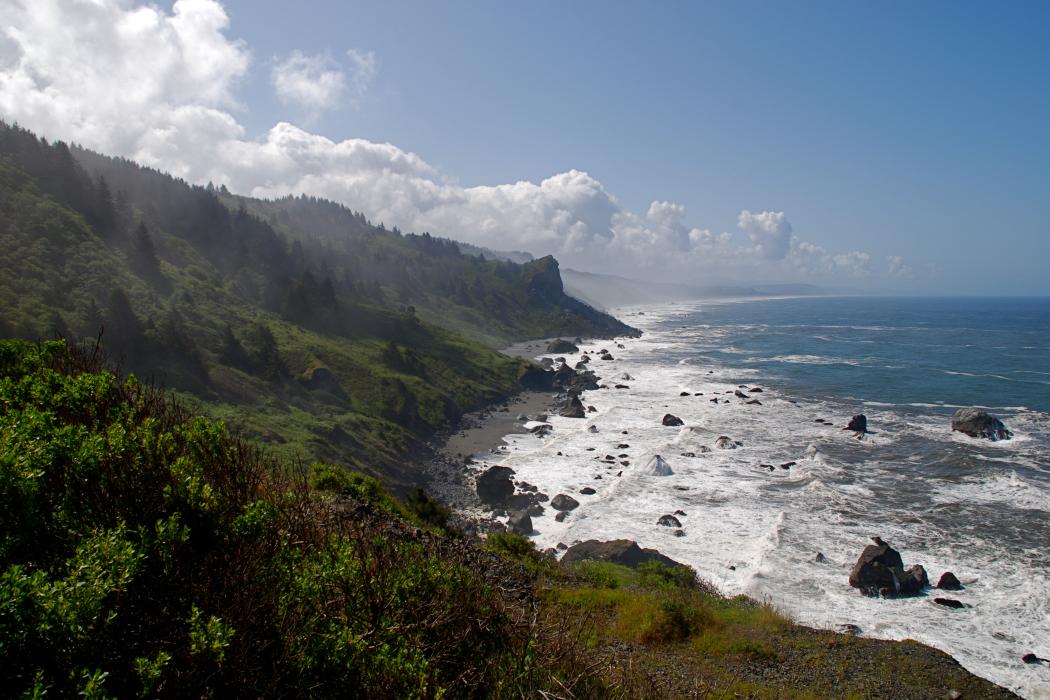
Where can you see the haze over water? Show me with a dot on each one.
(946, 501)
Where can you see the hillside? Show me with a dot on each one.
(318, 334)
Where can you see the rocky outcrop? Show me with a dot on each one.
(978, 423)
(669, 521)
(672, 420)
(564, 502)
(495, 486)
(625, 552)
(559, 346)
(880, 571)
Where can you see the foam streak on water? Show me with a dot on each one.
(979, 509)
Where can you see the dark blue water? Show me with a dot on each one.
(952, 352)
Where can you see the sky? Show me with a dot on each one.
(882, 146)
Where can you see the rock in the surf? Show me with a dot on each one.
(978, 423)
(880, 570)
(560, 345)
(949, 582)
(588, 491)
(858, 424)
(573, 408)
(669, 521)
(672, 420)
(949, 603)
(725, 442)
(564, 502)
(519, 523)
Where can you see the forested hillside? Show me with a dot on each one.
(297, 321)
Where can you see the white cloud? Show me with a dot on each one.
(159, 88)
(318, 82)
(313, 82)
(897, 267)
(770, 231)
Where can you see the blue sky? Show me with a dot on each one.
(916, 131)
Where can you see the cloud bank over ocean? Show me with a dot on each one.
(161, 89)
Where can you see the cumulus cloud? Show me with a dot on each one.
(159, 88)
(814, 259)
(770, 232)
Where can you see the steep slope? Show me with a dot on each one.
(269, 332)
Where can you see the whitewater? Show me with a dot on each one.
(946, 501)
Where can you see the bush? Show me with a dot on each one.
(145, 552)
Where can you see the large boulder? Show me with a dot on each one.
(564, 502)
(672, 420)
(559, 346)
(669, 521)
(880, 571)
(978, 423)
(573, 408)
(495, 486)
(625, 552)
(520, 523)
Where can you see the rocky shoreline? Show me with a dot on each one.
(453, 471)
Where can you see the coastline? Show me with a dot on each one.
(485, 431)
(449, 453)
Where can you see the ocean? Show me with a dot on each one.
(949, 502)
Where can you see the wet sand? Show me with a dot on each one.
(480, 433)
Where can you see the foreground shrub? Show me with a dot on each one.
(145, 552)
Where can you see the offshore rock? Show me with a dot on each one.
(858, 424)
(880, 571)
(978, 423)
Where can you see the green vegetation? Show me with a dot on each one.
(146, 553)
(297, 323)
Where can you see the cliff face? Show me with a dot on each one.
(544, 287)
